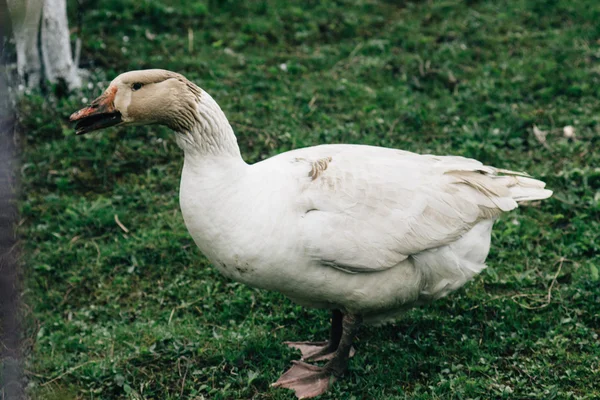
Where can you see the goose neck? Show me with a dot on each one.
(210, 135)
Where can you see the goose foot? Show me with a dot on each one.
(306, 380)
(309, 380)
(316, 351)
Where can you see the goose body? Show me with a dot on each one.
(363, 229)
(366, 231)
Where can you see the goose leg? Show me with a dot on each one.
(318, 351)
(309, 380)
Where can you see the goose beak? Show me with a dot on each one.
(98, 115)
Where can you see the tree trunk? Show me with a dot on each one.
(56, 45)
(11, 376)
(25, 16)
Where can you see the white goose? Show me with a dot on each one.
(367, 232)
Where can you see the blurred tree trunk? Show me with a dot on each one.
(55, 44)
(25, 17)
(11, 376)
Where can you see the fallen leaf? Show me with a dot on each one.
(594, 275)
(540, 135)
(149, 35)
(569, 132)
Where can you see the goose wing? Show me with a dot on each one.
(369, 208)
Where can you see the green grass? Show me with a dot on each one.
(143, 315)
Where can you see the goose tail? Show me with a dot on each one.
(525, 188)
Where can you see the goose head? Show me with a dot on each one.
(144, 97)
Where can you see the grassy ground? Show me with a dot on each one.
(141, 314)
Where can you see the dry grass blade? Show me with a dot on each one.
(69, 371)
(121, 224)
(548, 296)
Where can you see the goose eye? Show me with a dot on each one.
(136, 86)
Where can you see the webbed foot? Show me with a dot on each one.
(306, 380)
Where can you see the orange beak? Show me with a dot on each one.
(98, 115)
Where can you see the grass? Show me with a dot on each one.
(141, 314)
